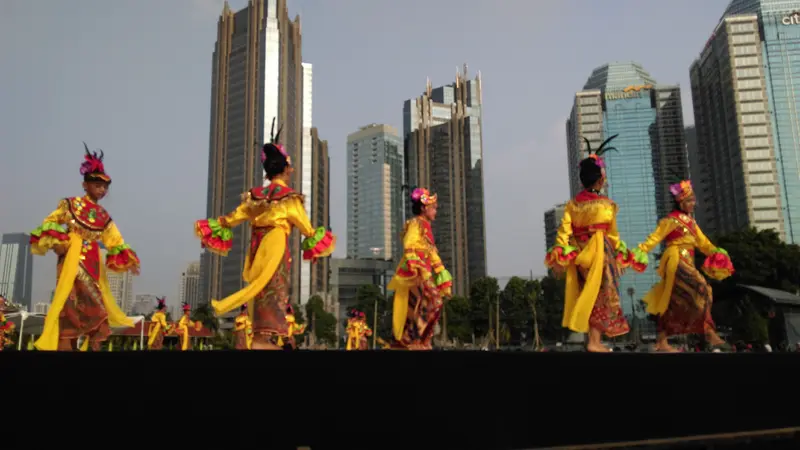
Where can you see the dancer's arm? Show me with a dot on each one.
(52, 234)
(215, 234)
(120, 257)
(718, 264)
(319, 242)
(664, 228)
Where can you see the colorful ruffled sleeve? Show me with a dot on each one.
(52, 232)
(120, 256)
(216, 235)
(442, 278)
(562, 254)
(319, 242)
(718, 264)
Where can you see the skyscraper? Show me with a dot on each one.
(189, 289)
(320, 211)
(746, 102)
(16, 269)
(257, 75)
(374, 192)
(623, 99)
(121, 286)
(552, 220)
(443, 143)
(700, 180)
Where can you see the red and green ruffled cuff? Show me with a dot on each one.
(6, 325)
(560, 255)
(638, 259)
(624, 257)
(122, 259)
(213, 236)
(320, 245)
(47, 236)
(413, 266)
(718, 265)
(443, 281)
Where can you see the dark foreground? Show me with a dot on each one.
(390, 399)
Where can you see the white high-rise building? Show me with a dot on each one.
(189, 289)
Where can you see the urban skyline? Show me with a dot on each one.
(508, 163)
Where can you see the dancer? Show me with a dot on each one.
(357, 331)
(272, 211)
(682, 299)
(421, 281)
(588, 247)
(159, 327)
(243, 330)
(183, 329)
(294, 329)
(6, 326)
(82, 303)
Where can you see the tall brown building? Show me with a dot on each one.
(444, 152)
(320, 207)
(257, 75)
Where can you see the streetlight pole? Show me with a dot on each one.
(382, 273)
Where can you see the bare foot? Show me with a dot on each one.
(597, 348)
(666, 348)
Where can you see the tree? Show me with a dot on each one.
(205, 315)
(550, 307)
(320, 322)
(459, 325)
(515, 308)
(483, 295)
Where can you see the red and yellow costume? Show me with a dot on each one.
(273, 212)
(6, 326)
(421, 282)
(83, 303)
(243, 330)
(159, 327)
(683, 298)
(357, 332)
(295, 329)
(184, 326)
(588, 247)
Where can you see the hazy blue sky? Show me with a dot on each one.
(133, 77)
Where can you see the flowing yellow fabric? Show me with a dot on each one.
(400, 311)
(257, 273)
(578, 305)
(689, 237)
(582, 215)
(243, 324)
(183, 329)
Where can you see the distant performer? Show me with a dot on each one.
(184, 327)
(589, 249)
(357, 331)
(82, 303)
(272, 212)
(159, 327)
(682, 300)
(6, 326)
(243, 330)
(421, 283)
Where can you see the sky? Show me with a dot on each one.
(133, 78)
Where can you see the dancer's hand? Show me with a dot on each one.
(135, 270)
(60, 250)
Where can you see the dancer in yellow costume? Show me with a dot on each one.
(243, 330)
(589, 249)
(421, 282)
(183, 329)
(159, 327)
(83, 303)
(682, 300)
(272, 212)
(357, 331)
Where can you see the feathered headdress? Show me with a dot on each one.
(186, 307)
(289, 309)
(274, 147)
(162, 303)
(92, 167)
(422, 195)
(2, 300)
(597, 155)
(680, 189)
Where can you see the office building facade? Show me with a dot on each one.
(623, 99)
(443, 147)
(375, 199)
(320, 211)
(257, 75)
(16, 269)
(189, 289)
(746, 112)
(552, 220)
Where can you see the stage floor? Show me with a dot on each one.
(392, 399)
